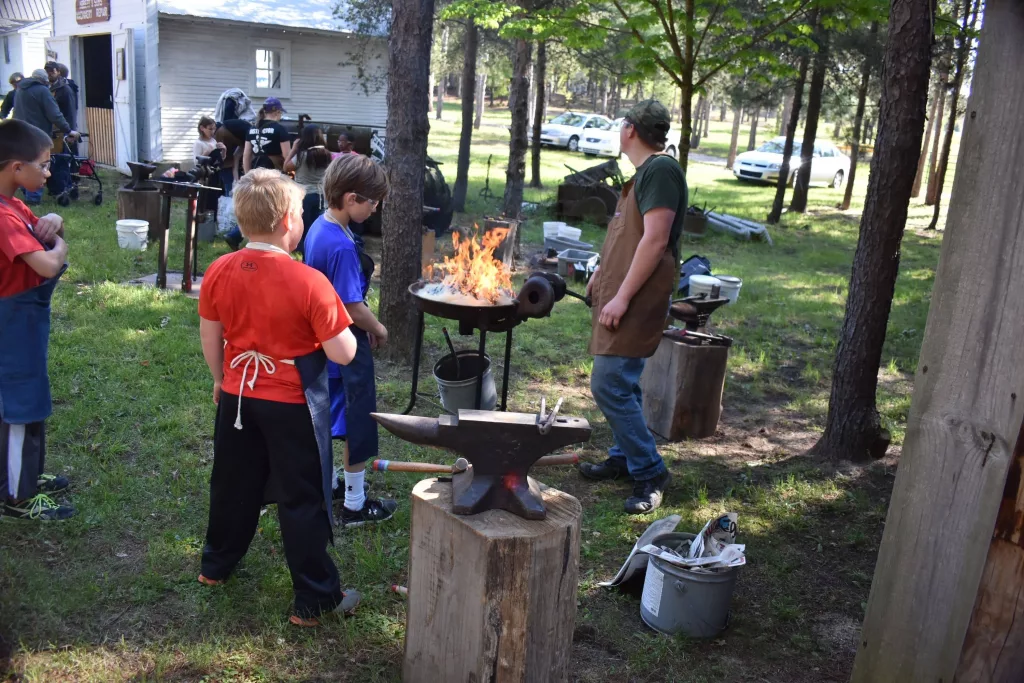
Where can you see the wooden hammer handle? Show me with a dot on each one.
(431, 468)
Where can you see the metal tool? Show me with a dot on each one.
(501, 448)
(461, 465)
(486, 192)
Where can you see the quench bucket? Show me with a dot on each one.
(132, 234)
(677, 600)
(730, 287)
(458, 390)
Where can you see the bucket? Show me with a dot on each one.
(730, 287)
(551, 228)
(132, 234)
(570, 232)
(677, 600)
(702, 284)
(458, 391)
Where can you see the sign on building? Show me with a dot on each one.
(92, 11)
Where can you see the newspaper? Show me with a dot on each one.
(713, 548)
(637, 560)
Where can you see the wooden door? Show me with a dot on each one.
(100, 123)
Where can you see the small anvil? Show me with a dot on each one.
(501, 448)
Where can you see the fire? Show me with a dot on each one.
(473, 270)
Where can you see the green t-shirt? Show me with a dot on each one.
(660, 183)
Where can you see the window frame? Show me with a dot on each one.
(282, 47)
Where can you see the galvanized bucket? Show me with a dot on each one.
(677, 600)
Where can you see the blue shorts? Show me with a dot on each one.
(353, 398)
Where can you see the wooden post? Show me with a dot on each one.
(165, 230)
(682, 386)
(938, 561)
(492, 597)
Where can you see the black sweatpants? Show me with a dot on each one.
(276, 454)
(22, 458)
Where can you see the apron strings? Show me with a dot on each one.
(248, 357)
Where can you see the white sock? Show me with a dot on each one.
(354, 496)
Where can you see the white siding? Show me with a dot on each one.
(26, 49)
(123, 14)
(200, 60)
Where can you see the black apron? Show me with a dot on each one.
(313, 371)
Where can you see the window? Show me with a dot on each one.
(271, 69)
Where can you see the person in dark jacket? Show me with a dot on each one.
(35, 105)
(67, 98)
(8, 105)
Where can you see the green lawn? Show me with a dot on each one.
(111, 595)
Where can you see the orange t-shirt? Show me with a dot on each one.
(271, 304)
(16, 239)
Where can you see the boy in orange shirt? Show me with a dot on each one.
(268, 325)
(32, 258)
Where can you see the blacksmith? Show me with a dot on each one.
(631, 292)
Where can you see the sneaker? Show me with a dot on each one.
(339, 489)
(648, 494)
(374, 510)
(349, 601)
(234, 242)
(52, 483)
(607, 470)
(40, 507)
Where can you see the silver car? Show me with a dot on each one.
(566, 130)
(829, 166)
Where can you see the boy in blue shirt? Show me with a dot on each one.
(353, 186)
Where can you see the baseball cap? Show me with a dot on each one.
(652, 116)
(273, 104)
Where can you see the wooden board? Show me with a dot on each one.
(969, 390)
(492, 597)
(100, 125)
(682, 387)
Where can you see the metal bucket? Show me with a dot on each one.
(677, 600)
(458, 389)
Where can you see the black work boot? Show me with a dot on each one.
(648, 494)
(607, 470)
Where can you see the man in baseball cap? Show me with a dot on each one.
(631, 292)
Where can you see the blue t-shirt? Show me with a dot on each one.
(329, 250)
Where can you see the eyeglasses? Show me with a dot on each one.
(374, 203)
(42, 167)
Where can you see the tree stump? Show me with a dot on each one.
(143, 206)
(492, 597)
(682, 387)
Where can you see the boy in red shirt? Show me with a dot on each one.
(268, 325)
(32, 258)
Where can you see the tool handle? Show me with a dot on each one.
(565, 459)
(399, 466)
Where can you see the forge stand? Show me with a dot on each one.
(189, 192)
(467, 327)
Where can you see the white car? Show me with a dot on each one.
(602, 141)
(566, 130)
(828, 165)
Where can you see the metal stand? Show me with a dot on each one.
(417, 352)
(190, 192)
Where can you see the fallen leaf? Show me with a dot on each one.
(145, 363)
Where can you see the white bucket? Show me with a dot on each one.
(551, 228)
(570, 232)
(730, 287)
(702, 284)
(132, 234)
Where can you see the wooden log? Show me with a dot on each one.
(968, 402)
(492, 597)
(143, 206)
(682, 387)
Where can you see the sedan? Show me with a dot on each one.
(602, 141)
(566, 130)
(829, 166)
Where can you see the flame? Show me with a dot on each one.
(473, 270)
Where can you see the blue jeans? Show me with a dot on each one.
(615, 384)
(33, 197)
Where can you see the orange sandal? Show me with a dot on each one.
(209, 582)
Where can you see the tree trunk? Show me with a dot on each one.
(490, 97)
(695, 134)
(442, 78)
(962, 53)
(721, 112)
(837, 131)
(538, 115)
(685, 122)
(787, 150)
(737, 114)
(468, 100)
(858, 122)
(923, 161)
(755, 118)
(707, 117)
(803, 175)
(405, 153)
(787, 108)
(853, 430)
(519, 103)
(616, 98)
(481, 93)
(929, 194)
(604, 93)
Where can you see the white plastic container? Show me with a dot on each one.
(730, 287)
(570, 232)
(551, 228)
(702, 284)
(132, 234)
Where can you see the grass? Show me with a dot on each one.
(111, 594)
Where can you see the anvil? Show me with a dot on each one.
(501, 448)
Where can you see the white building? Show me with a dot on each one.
(24, 24)
(149, 69)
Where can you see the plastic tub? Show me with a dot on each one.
(132, 234)
(569, 232)
(730, 287)
(577, 259)
(702, 284)
(458, 388)
(559, 244)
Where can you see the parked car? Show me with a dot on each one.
(566, 130)
(828, 164)
(602, 141)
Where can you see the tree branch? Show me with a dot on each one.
(640, 39)
(704, 33)
(670, 32)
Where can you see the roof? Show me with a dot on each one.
(15, 14)
(312, 14)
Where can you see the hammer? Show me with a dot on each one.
(461, 465)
